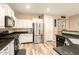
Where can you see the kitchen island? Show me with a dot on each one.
(71, 46)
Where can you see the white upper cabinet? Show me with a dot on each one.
(5, 10)
(20, 23)
(2, 16)
(8, 10)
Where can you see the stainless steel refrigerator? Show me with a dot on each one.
(38, 32)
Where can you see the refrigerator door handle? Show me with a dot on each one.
(39, 29)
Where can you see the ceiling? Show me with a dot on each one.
(67, 9)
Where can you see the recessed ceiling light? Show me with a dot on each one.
(28, 6)
(48, 9)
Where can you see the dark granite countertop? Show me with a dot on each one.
(70, 36)
(68, 50)
(6, 39)
(71, 32)
(21, 32)
(13, 34)
(4, 42)
(72, 49)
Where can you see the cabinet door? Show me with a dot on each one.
(8, 50)
(5, 51)
(48, 28)
(5, 6)
(8, 10)
(11, 50)
(21, 23)
(2, 17)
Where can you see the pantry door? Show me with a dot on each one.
(48, 28)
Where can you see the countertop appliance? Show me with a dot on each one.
(38, 31)
(9, 21)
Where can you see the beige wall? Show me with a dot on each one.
(67, 24)
(31, 16)
(26, 16)
(74, 22)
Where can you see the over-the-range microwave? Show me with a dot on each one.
(9, 21)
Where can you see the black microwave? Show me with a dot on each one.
(9, 21)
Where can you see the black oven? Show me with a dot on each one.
(9, 21)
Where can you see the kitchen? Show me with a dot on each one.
(29, 29)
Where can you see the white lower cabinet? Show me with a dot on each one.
(2, 16)
(24, 38)
(8, 50)
(5, 51)
(11, 50)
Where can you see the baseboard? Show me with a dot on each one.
(26, 42)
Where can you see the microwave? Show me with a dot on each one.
(9, 21)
